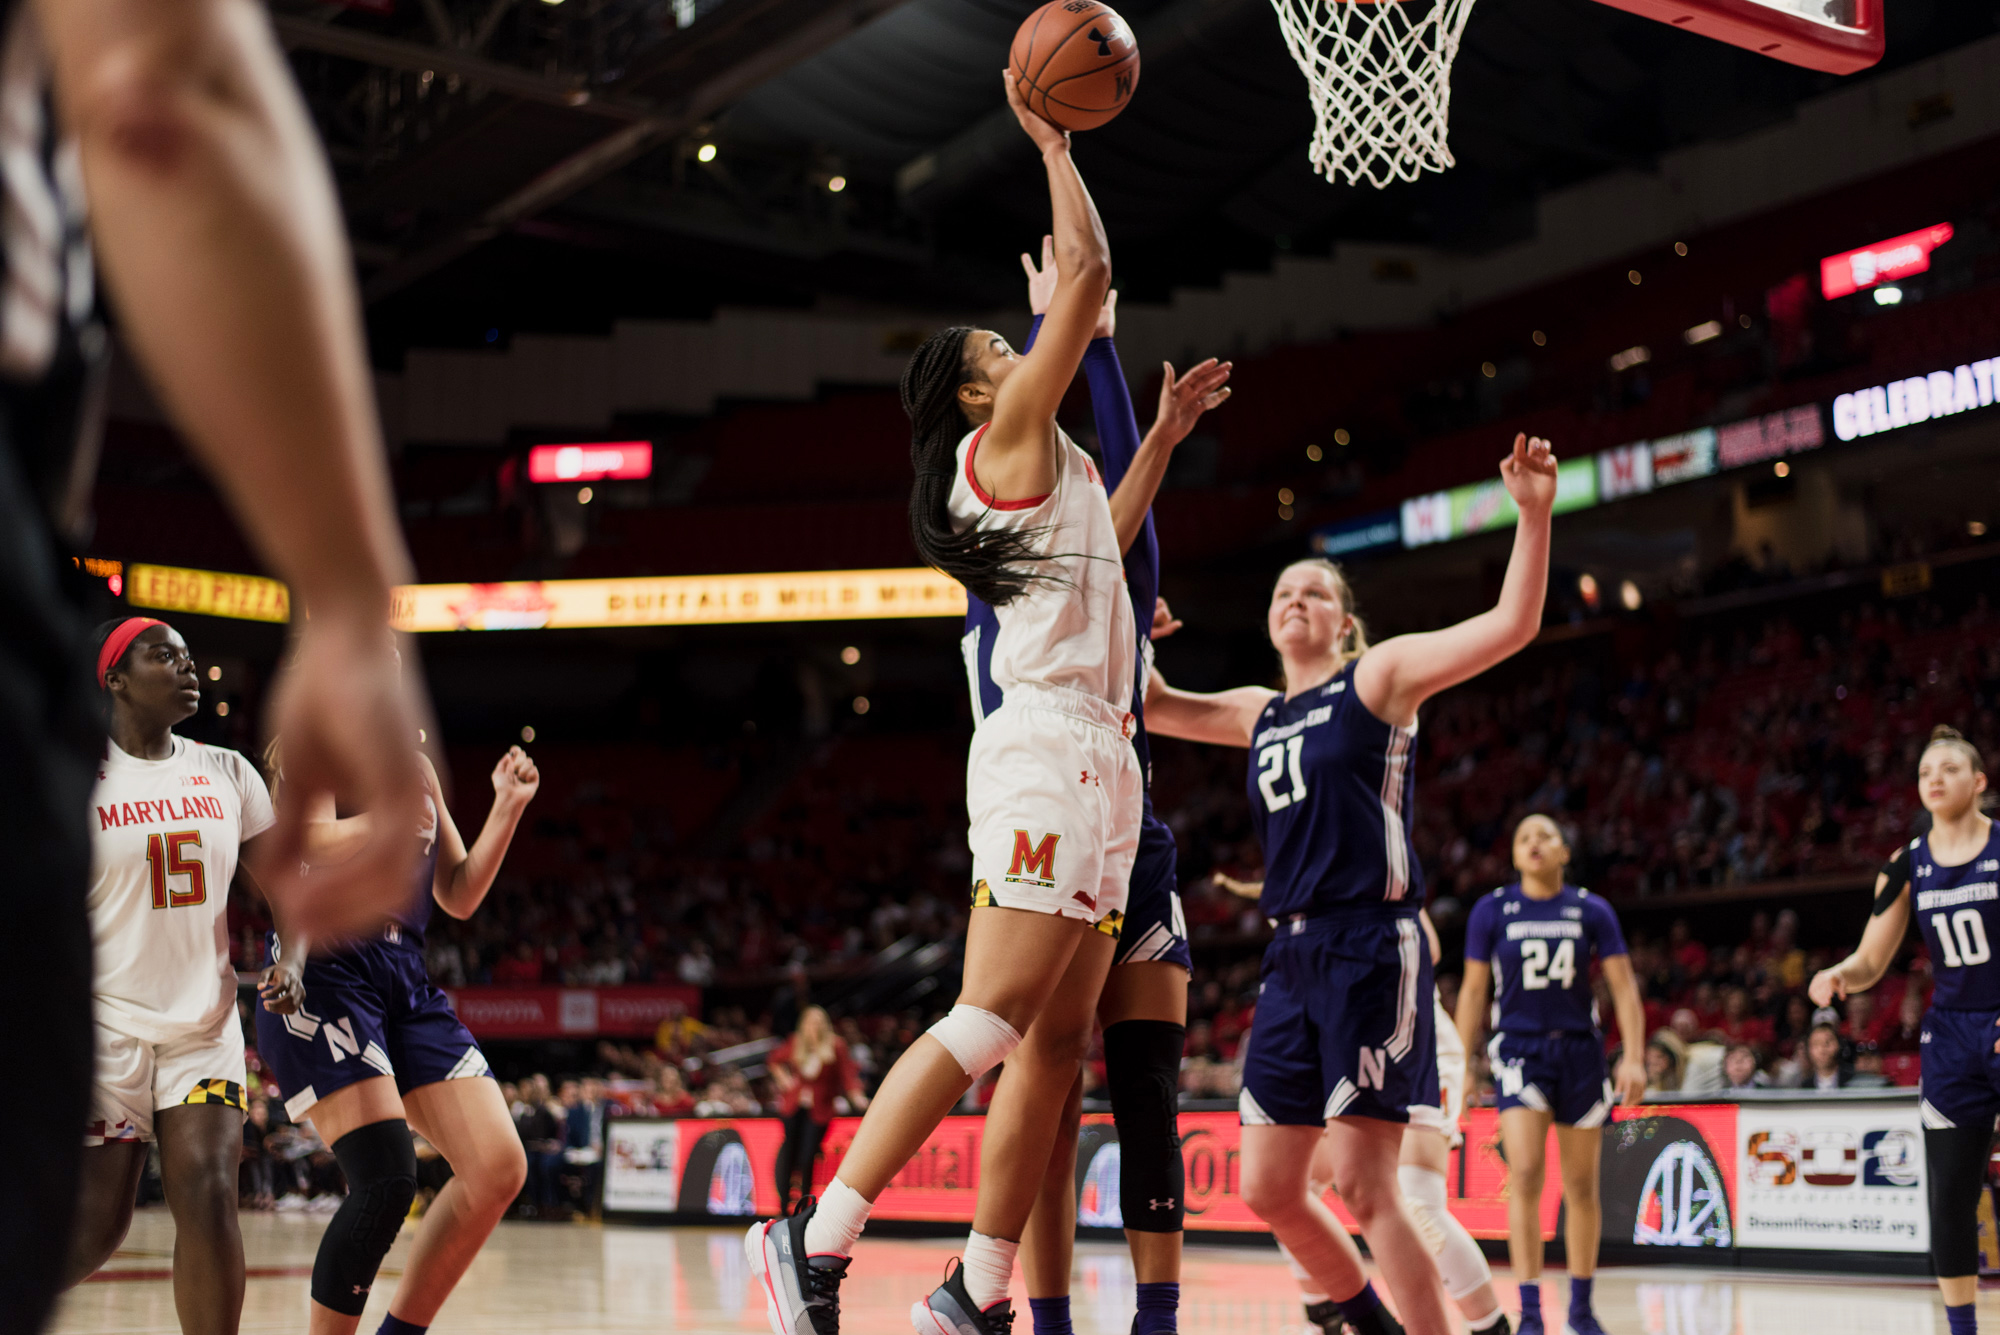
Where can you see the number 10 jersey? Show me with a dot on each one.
(1958, 911)
(1540, 953)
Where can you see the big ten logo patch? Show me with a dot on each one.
(1034, 863)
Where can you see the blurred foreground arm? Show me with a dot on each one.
(221, 244)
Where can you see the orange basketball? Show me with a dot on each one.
(1075, 63)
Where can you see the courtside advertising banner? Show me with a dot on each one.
(1678, 1180)
(1845, 1178)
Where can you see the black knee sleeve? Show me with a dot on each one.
(1954, 1170)
(380, 1163)
(1142, 1065)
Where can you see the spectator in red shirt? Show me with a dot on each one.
(1739, 1024)
(523, 968)
(1690, 956)
(812, 1068)
(671, 1097)
(1905, 1033)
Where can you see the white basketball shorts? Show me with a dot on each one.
(135, 1078)
(1053, 793)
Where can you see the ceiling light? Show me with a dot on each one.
(1629, 595)
(1541, 339)
(1633, 277)
(706, 153)
(222, 709)
(1315, 453)
(1781, 468)
(1680, 248)
(1743, 320)
(861, 704)
(583, 495)
(1340, 436)
(1284, 512)
(836, 184)
(1703, 332)
(850, 655)
(1888, 295)
(215, 674)
(528, 733)
(1488, 369)
(1631, 357)
(1586, 584)
(1976, 528)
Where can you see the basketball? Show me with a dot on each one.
(1075, 62)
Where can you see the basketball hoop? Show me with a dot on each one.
(1379, 75)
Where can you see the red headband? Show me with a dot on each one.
(119, 640)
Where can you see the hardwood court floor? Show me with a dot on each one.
(564, 1278)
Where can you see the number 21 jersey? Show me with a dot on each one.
(164, 837)
(1540, 953)
(1958, 911)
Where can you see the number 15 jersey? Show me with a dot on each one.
(1540, 953)
(164, 838)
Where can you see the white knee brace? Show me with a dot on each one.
(979, 1039)
(1460, 1263)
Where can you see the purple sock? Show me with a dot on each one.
(1051, 1315)
(1159, 1309)
(1361, 1306)
(1531, 1299)
(1579, 1294)
(391, 1326)
(1961, 1320)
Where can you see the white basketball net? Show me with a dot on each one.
(1379, 73)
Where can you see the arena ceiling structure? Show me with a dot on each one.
(512, 165)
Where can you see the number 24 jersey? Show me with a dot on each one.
(1540, 953)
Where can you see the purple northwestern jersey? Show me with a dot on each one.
(1958, 911)
(1331, 788)
(1540, 953)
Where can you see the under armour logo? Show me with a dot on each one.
(1088, 778)
(1166, 1204)
(1103, 42)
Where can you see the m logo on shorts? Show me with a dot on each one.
(1034, 865)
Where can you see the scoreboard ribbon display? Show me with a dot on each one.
(680, 600)
(208, 592)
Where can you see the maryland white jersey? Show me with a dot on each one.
(1074, 630)
(164, 841)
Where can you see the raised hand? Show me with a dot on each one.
(1046, 136)
(1529, 474)
(349, 719)
(515, 778)
(1185, 398)
(1164, 621)
(1041, 280)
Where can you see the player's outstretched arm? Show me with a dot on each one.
(1630, 1078)
(1017, 456)
(1474, 988)
(1220, 718)
(1183, 400)
(1402, 672)
(465, 875)
(221, 243)
(1879, 940)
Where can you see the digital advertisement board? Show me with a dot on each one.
(1804, 1175)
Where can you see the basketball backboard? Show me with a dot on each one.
(1838, 36)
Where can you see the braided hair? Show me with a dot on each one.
(988, 562)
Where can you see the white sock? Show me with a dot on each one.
(1487, 1322)
(837, 1222)
(1308, 1286)
(989, 1269)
